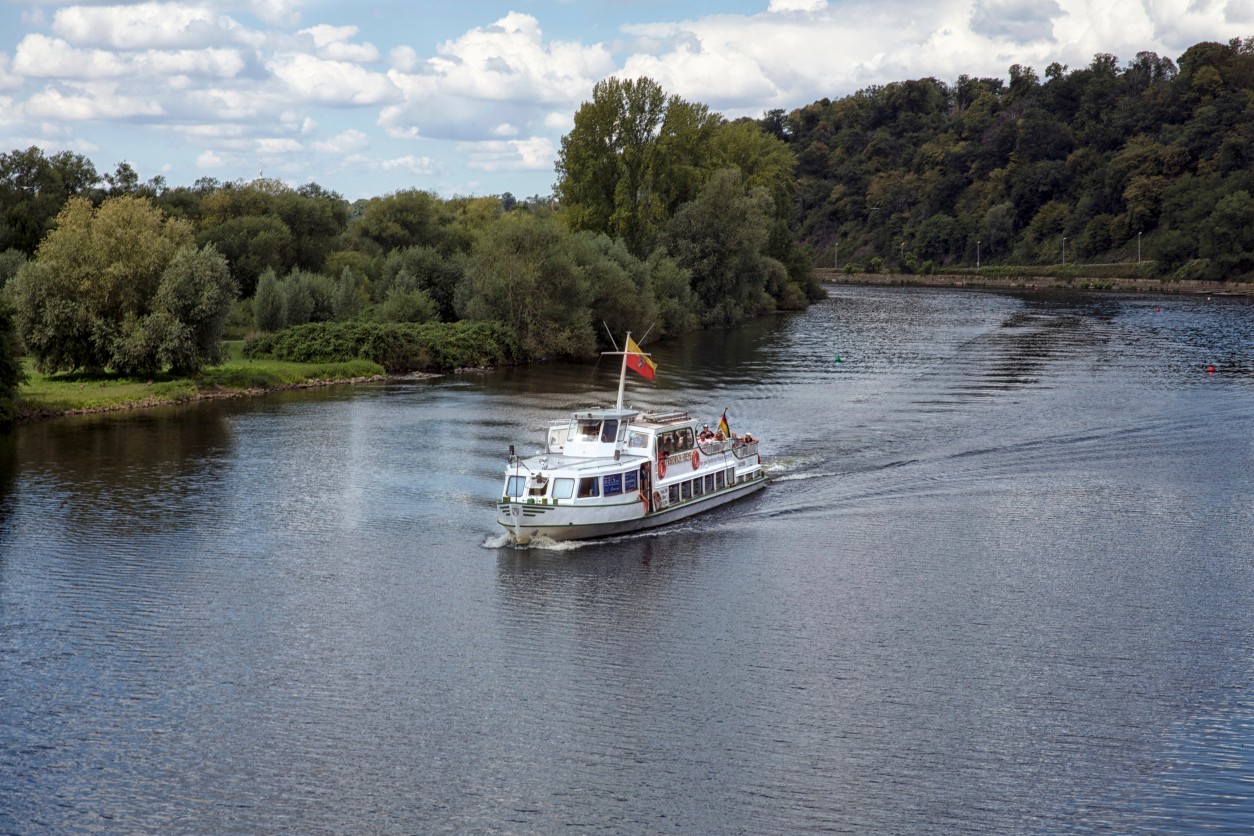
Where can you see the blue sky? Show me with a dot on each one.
(472, 97)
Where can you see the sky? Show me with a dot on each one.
(472, 97)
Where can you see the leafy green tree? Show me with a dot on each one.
(408, 218)
(718, 238)
(523, 273)
(11, 373)
(268, 303)
(425, 269)
(121, 286)
(347, 302)
(33, 189)
(402, 305)
(252, 244)
(10, 262)
(618, 282)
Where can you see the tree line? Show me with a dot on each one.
(1153, 159)
(666, 216)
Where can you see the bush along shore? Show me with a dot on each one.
(305, 356)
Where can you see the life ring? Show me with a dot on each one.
(661, 468)
(696, 459)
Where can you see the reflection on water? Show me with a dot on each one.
(1000, 582)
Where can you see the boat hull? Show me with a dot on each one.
(525, 522)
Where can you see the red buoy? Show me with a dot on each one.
(1210, 369)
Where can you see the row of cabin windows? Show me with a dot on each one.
(607, 431)
(589, 486)
(700, 486)
(676, 441)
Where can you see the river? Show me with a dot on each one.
(1001, 581)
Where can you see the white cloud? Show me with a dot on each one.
(88, 103)
(410, 164)
(797, 6)
(333, 42)
(347, 142)
(39, 56)
(531, 154)
(210, 159)
(143, 25)
(331, 82)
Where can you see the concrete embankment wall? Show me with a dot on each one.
(1038, 283)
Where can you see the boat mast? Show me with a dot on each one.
(622, 374)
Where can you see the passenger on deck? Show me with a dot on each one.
(705, 434)
(749, 439)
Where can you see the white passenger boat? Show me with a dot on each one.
(613, 471)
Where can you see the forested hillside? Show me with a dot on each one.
(1099, 160)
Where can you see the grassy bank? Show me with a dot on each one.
(44, 396)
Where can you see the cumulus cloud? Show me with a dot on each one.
(1017, 20)
(144, 25)
(331, 82)
(334, 42)
(535, 153)
(797, 5)
(347, 142)
(89, 103)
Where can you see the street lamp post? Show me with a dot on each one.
(836, 255)
(903, 253)
(977, 255)
(1064, 249)
(1138, 248)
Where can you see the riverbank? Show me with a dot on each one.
(973, 280)
(53, 396)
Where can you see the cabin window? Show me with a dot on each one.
(589, 430)
(731, 475)
(609, 431)
(685, 439)
(538, 487)
(709, 483)
(698, 486)
(613, 484)
(557, 439)
(666, 443)
(685, 490)
(622, 431)
(515, 485)
(588, 487)
(638, 441)
(563, 488)
(673, 493)
(718, 481)
(629, 482)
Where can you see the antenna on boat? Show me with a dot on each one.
(611, 333)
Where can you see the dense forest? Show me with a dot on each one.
(1101, 164)
(665, 217)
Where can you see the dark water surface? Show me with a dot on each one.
(1002, 582)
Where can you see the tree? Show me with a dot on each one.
(11, 373)
(268, 303)
(93, 280)
(33, 189)
(632, 157)
(523, 273)
(183, 330)
(718, 238)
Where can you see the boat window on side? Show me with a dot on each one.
(731, 475)
(709, 483)
(685, 490)
(673, 493)
(515, 485)
(718, 481)
(588, 487)
(563, 488)
(698, 486)
(638, 440)
(630, 482)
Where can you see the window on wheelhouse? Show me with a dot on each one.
(609, 431)
(588, 486)
(539, 486)
(557, 439)
(587, 430)
(515, 485)
(563, 488)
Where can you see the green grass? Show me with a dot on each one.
(58, 394)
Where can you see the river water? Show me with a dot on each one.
(1001, 581)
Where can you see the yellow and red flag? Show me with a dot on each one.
(638, 362)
